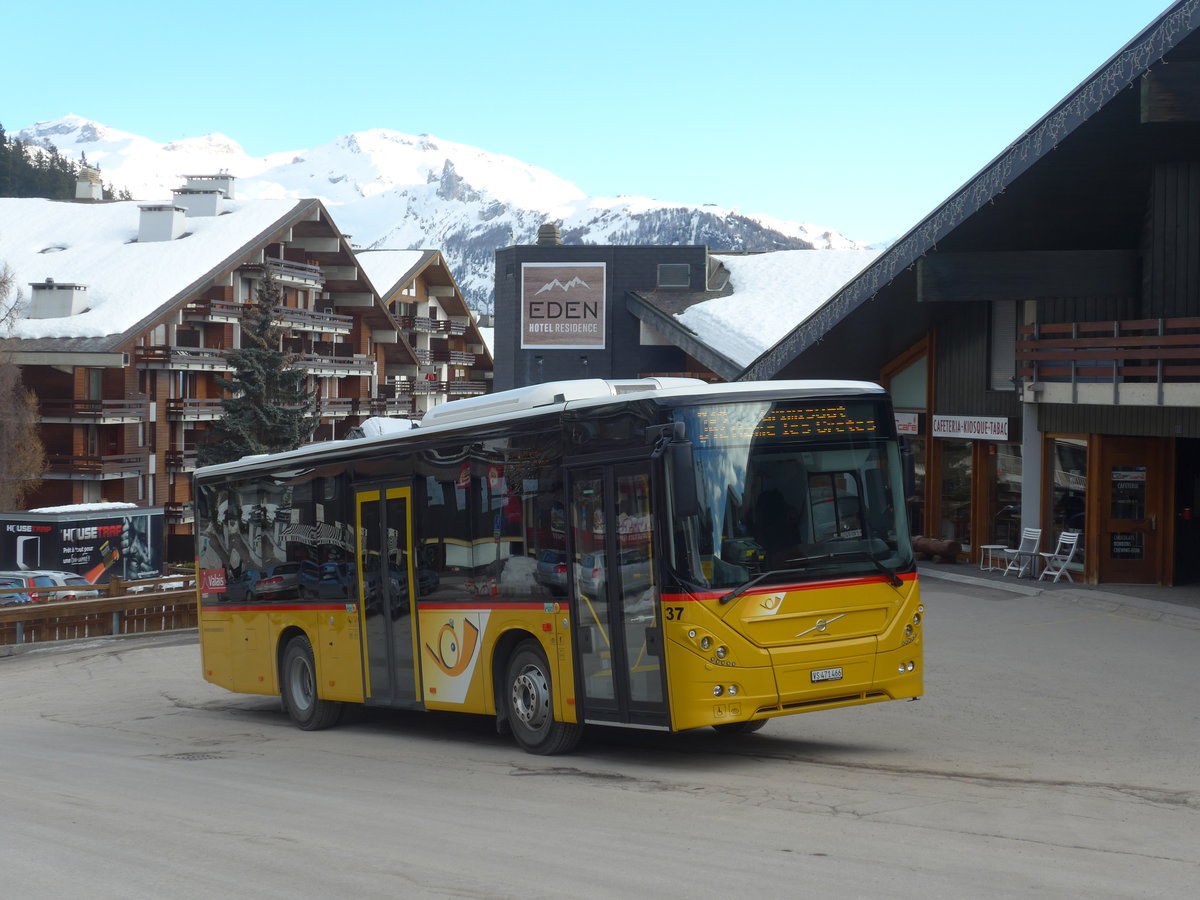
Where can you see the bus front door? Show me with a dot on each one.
(385, 586)
(619, 670)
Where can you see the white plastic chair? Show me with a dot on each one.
(1022, 559)
(1056, 563)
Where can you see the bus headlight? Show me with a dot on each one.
(916, 618)
(692, 633)
(705, 642)
(733, 690)
(718, 690)
(721, 652)
(908, 629)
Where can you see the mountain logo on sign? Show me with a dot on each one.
(574, 282)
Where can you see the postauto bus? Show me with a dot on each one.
(656, 553)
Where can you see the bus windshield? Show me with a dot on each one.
(807, 490)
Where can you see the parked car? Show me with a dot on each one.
(551, 570)
(635, 572)
(280, 581)
(34, 579)
(8, 584)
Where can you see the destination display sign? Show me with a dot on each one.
(788, 422)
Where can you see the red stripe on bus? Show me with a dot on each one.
(788, 586)
(277, 607)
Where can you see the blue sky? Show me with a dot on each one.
(861, 116)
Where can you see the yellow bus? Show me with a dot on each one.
(661, 554)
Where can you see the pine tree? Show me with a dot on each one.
(22, 455)
(270, 408)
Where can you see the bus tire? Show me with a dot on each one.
(740, 727)
(528, 695)
(298, 686)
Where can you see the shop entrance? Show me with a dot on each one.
(1131, 483)
(1187, 511)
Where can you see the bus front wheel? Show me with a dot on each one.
(530, 703)
(298, 685)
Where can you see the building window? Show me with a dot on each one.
(956, 491)
(1004, 504)
(1068, 487)
(674, 275)
(1002, 346)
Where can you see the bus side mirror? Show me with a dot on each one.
(683, 478)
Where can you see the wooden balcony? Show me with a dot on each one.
(182, 359)
(95, 412)
(1134, 362)
(66, 467)
(454, 357)
(463, 388)
(336, 366)
(335, 407)
(312, 320)
(181, 460)
(217, 311)
(195, 409)
(390, 406)
(288, 271)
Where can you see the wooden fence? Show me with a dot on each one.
(141, 607)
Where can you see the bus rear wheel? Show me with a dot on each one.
(298, 684)
(530, 701)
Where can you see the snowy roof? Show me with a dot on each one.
(386, 269)
(95, 244)
(772, 294)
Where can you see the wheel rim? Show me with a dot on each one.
(531, 698)
(301, 683)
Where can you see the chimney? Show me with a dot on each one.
(160, 222)
(50, 300)
(87, 185)
(199, 201)
(549, 236)
(222, 182)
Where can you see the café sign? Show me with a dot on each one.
(977, 428)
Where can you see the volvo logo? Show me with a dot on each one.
(821, 625)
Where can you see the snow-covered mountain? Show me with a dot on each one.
(397, 191)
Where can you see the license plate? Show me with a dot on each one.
(834, 674)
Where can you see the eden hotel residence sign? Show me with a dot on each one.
(562, 306)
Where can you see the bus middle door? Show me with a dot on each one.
(618, 635)
(385, 585)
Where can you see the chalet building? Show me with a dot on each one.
(421, 295)
(1040, 330)
(583, 311)
(131, 310)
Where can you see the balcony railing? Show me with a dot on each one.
(195, 409)
(214, 311)
(389, 406)
(67, 467)
(454, 357)
(1134, 361)
(335, 407)
(312, 320)
(286, 270)
(182, 358)
(181, 460)
(424, 356)
(95, 412)
(316, 364)
(463, 388)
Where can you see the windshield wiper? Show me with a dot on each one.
(890, 574)
(759, 579)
